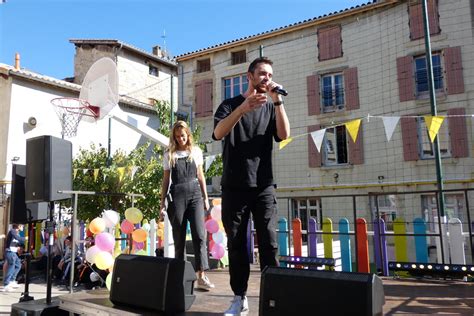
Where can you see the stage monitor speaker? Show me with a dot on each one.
(20, 212)
(48, 169)
(159, 284)
(286, 291)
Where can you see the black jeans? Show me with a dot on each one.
(236, 208)
(187, 205)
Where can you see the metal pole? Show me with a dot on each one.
(434, 110)
(109, 144)
(73, 245)
(261, 50)
(172, 103)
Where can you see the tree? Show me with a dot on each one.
(145, 160)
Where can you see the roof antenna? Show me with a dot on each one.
(165, 52)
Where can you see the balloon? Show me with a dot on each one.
(65, 231)
(94, 276)
(139, 235)
(146, 227)
(216, 212)
(108, 281)
(161, 225)
(89, 233)
(105, 241)
(97, 225)
(141, 252)
(91, 254)
(139, 245)
(221, 226)
(218, 251)
(218, 237)
(103, 260)
(161, 234)
(216, 202)
(126, 227)
(212, 226)
(111, 218)
(133, 215)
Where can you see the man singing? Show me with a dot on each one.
(248, 124)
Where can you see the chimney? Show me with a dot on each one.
(157, 51)
(17, 61)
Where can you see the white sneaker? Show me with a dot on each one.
(14, 284)
(7, 288)
(204, 284)
(239, 306)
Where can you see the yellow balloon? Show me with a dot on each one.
(216, 202)
(108, 281)
(133, 215)
(161, 234)
(97, 225)
(103, 260)
(221, 225)
(139, 235)
(141, 252)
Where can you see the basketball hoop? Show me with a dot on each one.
(70, 112)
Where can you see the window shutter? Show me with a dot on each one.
(454, 72)
(314, 104)
(356, 150)
(351, 89)
(198, 101)
(329, 43)
(410, 138)
(415, 12)
(207, 98)
(314, 156)
(406, 82)
(458, 133)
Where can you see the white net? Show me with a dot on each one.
(70, 112)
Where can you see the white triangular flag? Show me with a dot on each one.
(208, 161)
(318, 137)
(390, 122)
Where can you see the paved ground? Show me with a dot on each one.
(403, 296)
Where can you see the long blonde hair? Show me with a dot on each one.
(173, 144)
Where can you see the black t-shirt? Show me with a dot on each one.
(247, 149)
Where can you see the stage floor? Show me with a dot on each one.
(402, 296)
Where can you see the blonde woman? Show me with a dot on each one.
(182, 164)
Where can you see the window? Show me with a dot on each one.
(239, 57)
(421, 74)
(305, 209)
(415, 12)
(427, 147)
(153, 71)
(203, 65)
(234, 86)
(453, 208)
(335, 146)
(332, 92)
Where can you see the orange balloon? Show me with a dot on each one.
(139, 235)
(216, 202)
(97, 225)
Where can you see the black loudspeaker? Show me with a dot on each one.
(48, 169)
(20, 212)
(159, 284)
(286, 291)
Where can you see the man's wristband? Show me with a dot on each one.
(278, 103)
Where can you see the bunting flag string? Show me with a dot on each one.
(285, 142)
(389, 124)
(208, 160)
(318, 137)
(353, 128)
(433, 123)
(96, 174)
(121, 172)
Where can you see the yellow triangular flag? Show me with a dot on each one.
(353, 128)
(75, 173)
(433, 124)
(285, 142)
(121, 171)
(96, 174)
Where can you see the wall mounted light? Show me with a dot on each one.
(336, 177)
(32, 121)
(381, 178)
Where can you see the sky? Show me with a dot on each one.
(40, 30)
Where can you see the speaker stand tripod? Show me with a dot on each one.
(25, 296)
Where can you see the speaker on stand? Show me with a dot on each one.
(48, 170)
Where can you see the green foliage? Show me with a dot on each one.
(148, 159)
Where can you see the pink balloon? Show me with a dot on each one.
(139, 245)
(216, 212)
(217, 251)
(105, 241)
(212, 226)
(126, 227)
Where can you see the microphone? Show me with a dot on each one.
(280, 91)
